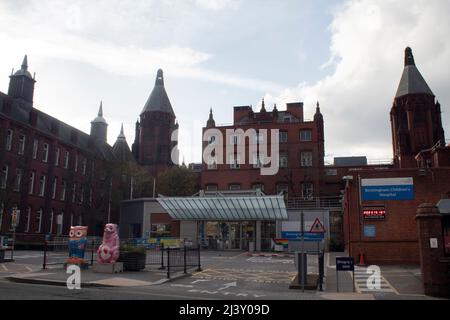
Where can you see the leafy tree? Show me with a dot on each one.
(177, 182)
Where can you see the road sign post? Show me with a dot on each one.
(345, 264)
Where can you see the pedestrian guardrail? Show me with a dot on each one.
(56, 252)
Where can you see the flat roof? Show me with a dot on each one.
(221, 208)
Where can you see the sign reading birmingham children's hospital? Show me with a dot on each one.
(387, 189)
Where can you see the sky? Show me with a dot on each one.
(348, 55)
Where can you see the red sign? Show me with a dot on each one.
(317, 227)
(374, 214)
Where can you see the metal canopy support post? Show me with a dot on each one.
(337, 280)
(303, 274)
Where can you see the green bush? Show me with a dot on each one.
(130, 248)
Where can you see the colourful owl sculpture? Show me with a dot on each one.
(108, 252)
(77, 244)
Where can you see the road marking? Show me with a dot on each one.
(29, 269)
(228, 285)
(4, 267)
(361, 276)
(200, 280)
(182, 285)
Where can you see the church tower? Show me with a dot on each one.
(153, 146)
(21, 83)
(415, 116)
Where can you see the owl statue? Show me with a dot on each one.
(77, 244)
(108, 252)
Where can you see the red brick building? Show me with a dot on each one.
(383, 227)
(301, 152)
(153, 143)
(55, 174)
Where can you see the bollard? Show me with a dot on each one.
(92, 254)
(185, 268)
(321, 270)
(168, 263)
(199, 268)
(162, 257)
(45, 255)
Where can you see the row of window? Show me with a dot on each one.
(37, 217)
(306, 160)
(44, 152)
(42, 186)
(307, 188)
(304, 136)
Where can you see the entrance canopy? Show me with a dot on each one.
(231, 208)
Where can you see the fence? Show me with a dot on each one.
(171, 259)
(56, 252)
(182, 257)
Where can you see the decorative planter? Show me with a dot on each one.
(132, 261)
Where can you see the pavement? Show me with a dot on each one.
(225, 275)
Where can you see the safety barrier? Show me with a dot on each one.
(182, 258)
(56, 252)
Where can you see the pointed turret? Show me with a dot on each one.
(210, 123)
(412, 81)
(263, 107)
(121, 149)
(21, 85)
(416, 122)
(99, 127)
(158, 100)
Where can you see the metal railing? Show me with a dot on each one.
(314, 203)
(182, 258)
(53, 252)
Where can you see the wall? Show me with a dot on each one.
(396, 238)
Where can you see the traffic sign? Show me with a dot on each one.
(317, 227)
(345, 264)
(297, 236)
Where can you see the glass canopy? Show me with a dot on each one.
(225, 208)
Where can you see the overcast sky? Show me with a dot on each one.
(223, 53)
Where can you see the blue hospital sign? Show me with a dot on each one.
(387, 189)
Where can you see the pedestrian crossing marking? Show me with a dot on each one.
(360, 278)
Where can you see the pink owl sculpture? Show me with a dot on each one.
(108, 252)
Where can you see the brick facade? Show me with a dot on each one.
(301, 145)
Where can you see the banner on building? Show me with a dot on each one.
(387, 189)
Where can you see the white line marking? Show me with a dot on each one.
(182, 285)
(200, 280)
(4, 267)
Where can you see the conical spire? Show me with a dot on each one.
(159, 78)
(409, 58)
(263, 108)
(25, 63)
(210, 123)
(99, 115)
(121, 134)
(158, 100)
(121, 149)
(100, 110)
(412, 81)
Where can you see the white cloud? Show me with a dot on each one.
(49, 30)
(217, 5)
(367, 47)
